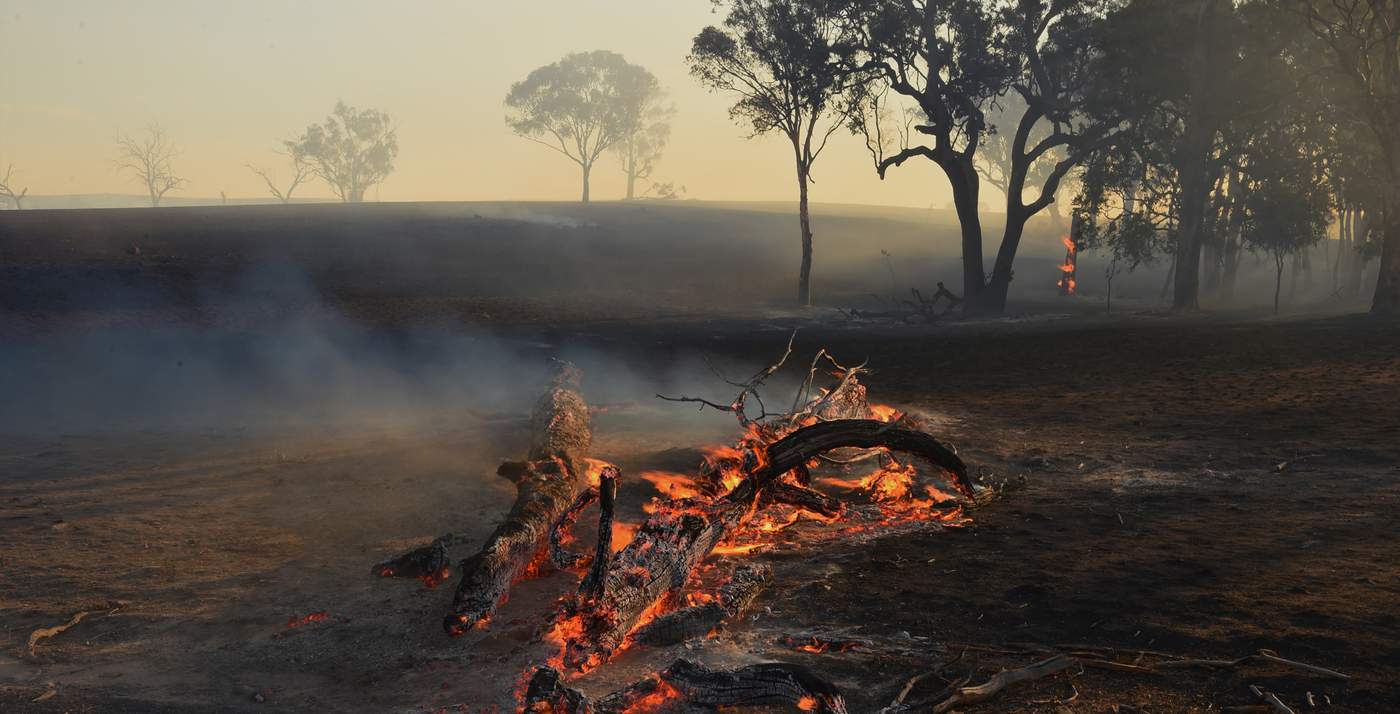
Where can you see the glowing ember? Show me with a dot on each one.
(308, 618)
(432, 580)
(656, 701)
(808, 703)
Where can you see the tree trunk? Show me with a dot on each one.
(1278, 280)
(587, 168)
(1387, 299)
(1195, 189)
(804, 277)
(1356, 260)
(630, 167)
(993, 299)
(962, 177)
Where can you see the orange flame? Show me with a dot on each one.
(672, 485)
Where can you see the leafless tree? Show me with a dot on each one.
(8, 192)
(149, 158)
(302, 171)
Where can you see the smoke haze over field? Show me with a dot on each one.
(229, 81)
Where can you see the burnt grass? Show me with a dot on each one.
(1206, 487)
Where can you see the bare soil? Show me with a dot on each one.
(1207, 487)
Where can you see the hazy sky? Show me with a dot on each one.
(230, 78)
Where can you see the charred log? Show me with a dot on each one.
(685, 686)
(592, 584)
(671, 544)
(428, 563)
(807, 499)
(547, 484)
(688, 623)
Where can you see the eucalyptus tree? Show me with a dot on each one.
(352, 150)
(951, 62)
(1362, 39)
(786, 63)
(584, 105)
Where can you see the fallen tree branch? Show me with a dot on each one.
(965, 696)
(668, 547)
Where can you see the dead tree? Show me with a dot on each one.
(7, 191)
(302, 171)
(150, 159)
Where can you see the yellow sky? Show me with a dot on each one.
(230, 78)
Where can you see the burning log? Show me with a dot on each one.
(671, 544)
(428, 563)
(687, 686)
(735, 596)
(592, 584)
(547, 484)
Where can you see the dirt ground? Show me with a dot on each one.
(1200, 487)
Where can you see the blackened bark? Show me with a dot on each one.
(1387, 298)
(804, 277)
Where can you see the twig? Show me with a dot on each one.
(964, 696)
(1271, 699)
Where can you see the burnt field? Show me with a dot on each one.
(206, 451)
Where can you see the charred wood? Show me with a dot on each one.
(547, 484)
(688, 623)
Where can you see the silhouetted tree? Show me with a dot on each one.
(1363, 50)
(351, 151)
(8, 192)
(643, 141)
(583, 105)
(149, 158)
(1288, 205)
(302, 171)
(952, 60)
(784, 60)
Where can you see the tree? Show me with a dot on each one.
(8, 192)
(351, 151)
(1362, 38)
(583, 105)
(786, 62)
(955, 60)
(149, 158)
(302, 171)
(1192, 107)
(643, 141)
(1288, 208)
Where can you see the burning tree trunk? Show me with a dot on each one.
(549, 498)
(548, 483)
(1069, 269)
(667, 548)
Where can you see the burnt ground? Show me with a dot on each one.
(1205, 487)
(1197, 487)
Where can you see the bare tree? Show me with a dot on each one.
(782, 59)
(149, 158)
(7, 191)
(302, 171)
(352, 150)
